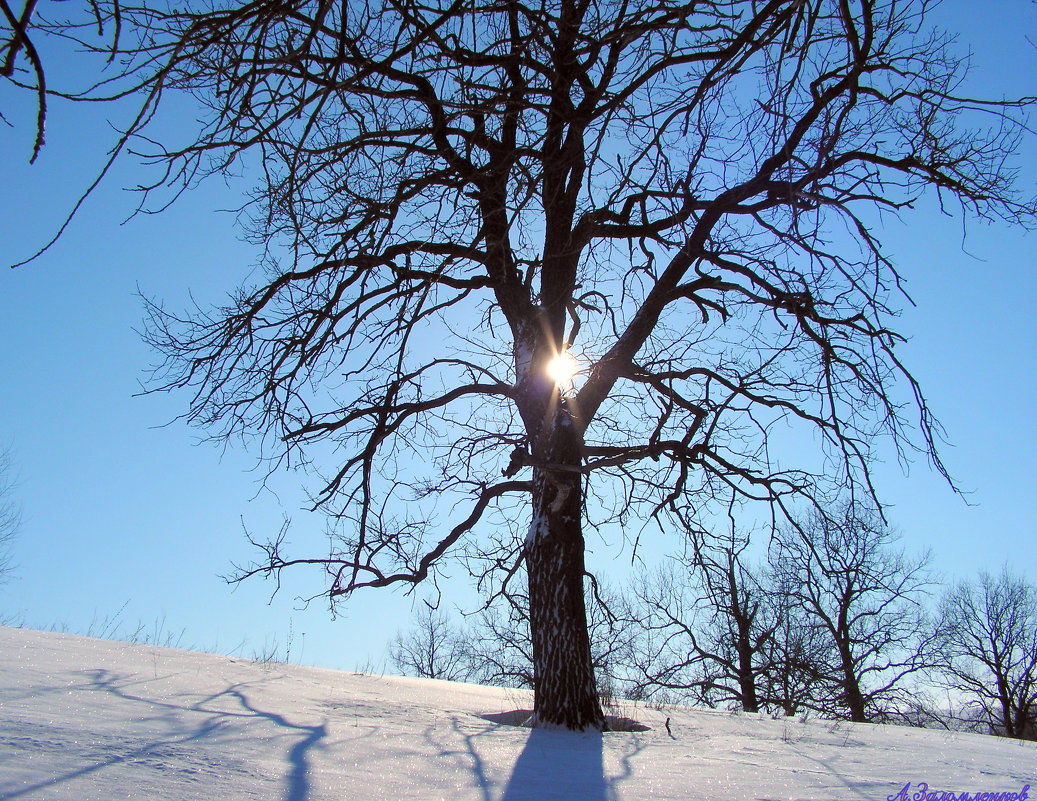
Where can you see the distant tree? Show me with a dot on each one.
(796, 652)
(865, 597)
(502, 646)
(985, 646)
(433, 648)
(666, 660)
(10, 516)
(457, 197)
(720, 631)
(708, 622)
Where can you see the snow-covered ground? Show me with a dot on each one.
(86, 720)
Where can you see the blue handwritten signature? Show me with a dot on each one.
(923, 792)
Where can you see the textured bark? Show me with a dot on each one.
(747, 675)
(566, 692)
(853, 696)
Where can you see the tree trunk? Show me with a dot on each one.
(565, 689)
(1004, 698)
(747, 675)
(852, 695)
(743, 617)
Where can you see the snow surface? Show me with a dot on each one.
(86, 720)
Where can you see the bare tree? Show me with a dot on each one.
(10, 516)
(985, 647)
(433, 648)
(720, 631)
(742, 619)
(666, 661)
(796, 653)
(865, 596)
(454, 196)
(502, 646)
(708, 622)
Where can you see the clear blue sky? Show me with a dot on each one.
(120, 508)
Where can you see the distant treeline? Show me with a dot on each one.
(832, 619)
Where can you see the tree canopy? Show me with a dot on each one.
(686, 197)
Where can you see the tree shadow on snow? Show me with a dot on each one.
(211, 726)
(552, 765)
(566, 765)
(559, 764)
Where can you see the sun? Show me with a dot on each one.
(563, 369)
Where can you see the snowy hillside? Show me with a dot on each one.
(91, 720)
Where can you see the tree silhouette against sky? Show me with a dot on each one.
(684, 198)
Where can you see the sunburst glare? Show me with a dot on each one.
(563, 369)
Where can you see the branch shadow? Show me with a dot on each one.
(298, 779)
(855, 786)
(172, 715)
(202, 731)
(478, 764)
